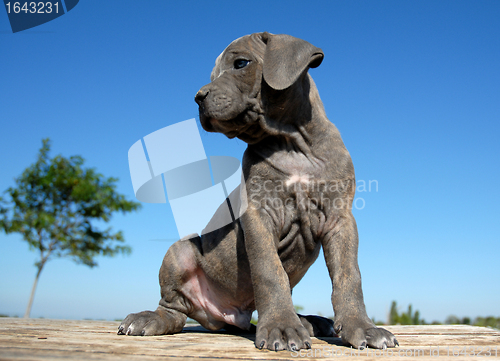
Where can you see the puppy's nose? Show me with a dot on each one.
(201, 95)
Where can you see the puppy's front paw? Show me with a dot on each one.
(284, 334)
(360, 334)
(144, 323)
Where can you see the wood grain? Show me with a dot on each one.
(42, 339)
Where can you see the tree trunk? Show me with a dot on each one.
(30, 303)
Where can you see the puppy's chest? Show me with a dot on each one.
(298, 204)
(299, 182)
(292, 187)
(302, 194)
(292, 177)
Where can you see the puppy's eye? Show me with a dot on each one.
(240, 63)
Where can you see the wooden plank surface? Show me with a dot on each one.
(42, 339)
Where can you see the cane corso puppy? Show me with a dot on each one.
(299, 182)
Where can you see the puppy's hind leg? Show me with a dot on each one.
(318, 326)
(178, 270)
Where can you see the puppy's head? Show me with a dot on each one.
(232, 103)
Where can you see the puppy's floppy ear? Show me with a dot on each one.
(286, 58)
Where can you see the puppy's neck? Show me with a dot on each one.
(296, 126)
(286, 108)
(293, 120)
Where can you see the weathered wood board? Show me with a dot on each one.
(41, 339)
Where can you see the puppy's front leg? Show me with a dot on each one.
(340, 248)
(279, 327)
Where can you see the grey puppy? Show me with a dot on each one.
(300, 185)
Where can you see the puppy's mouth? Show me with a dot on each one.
(226, 127)
(219, 128)
(244, 126)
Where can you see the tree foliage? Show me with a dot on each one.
(489, 321)
(413, 318)
(53, 206)
(405, 318)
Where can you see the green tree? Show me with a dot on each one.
(405, 318)
(393, 314)
(489, 321)
(452, 320)
(52, 206)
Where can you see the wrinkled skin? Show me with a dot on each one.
(299, 186)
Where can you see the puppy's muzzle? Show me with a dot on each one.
(200, 100)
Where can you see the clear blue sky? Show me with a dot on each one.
(413, 86)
